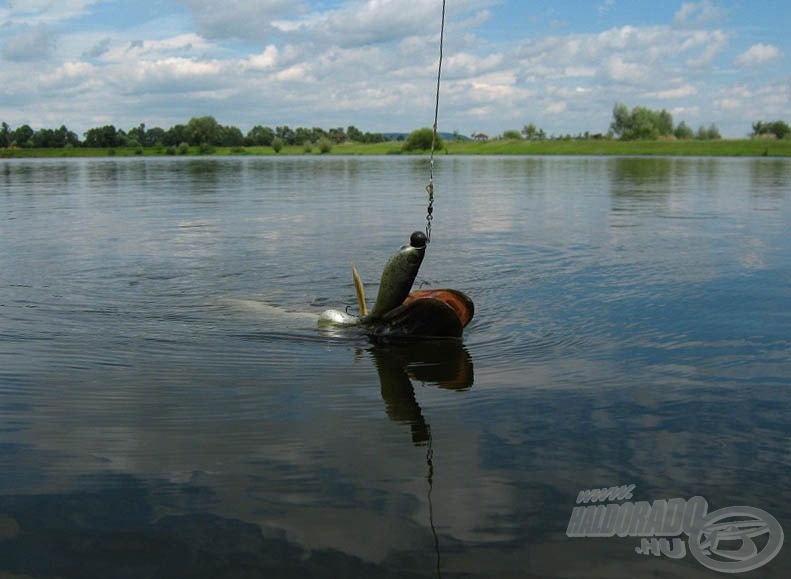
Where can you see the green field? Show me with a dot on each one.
(718, 148)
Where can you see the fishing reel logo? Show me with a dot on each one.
(728, 540)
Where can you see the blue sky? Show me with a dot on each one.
(561, 65)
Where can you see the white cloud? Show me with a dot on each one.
(697, 14)
(180, 45)
(69, 74)
(98, 49)
(621, 70)
(605, 6)
(556, 108)
(710, 42)
(465, 64)
(729, 103)
(747, 102)
(266, 60)
(249, 20)
(579, 71)
(175, 68)
(757, 55)
(380, 21)
(34, 43)
(625, 54)
(681, 113)
(371, 21)
(44, 11)
(294, 74)
(679, 92)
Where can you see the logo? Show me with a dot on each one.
(729, 540)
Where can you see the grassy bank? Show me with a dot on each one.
(720, 148)
(716, 148)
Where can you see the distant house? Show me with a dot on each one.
(480, 137)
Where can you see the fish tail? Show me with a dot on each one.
(358, 287)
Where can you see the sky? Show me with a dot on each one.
(560, 65)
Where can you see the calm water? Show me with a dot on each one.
(163, 413)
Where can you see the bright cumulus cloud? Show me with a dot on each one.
(373, 63)
(758, 54)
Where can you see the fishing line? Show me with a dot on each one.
(430, 478)
(429, 219)
(430, 186)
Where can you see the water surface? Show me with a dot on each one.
(162, 414)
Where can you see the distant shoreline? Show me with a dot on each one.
(587, 147)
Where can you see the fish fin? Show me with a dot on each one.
(360, 289)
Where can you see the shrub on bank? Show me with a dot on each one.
(421, 139)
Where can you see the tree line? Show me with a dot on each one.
(646, 124)
(641, 123)
(205, 132)
(199, 131)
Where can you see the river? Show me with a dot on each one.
(166, 409)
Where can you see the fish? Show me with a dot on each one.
(397, 278)
(398, 311)
(395, 284)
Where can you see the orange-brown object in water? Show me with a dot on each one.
(454, 298)
(427, 313)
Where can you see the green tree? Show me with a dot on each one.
(277, 144)
(621, 120)
(175, 135)
(5, 135)
(259, 136)
(643, 124)
(640, 123)
(317, 133)
(781, 129)
(513, 135)
(203, 130)
(354, 134)
(67, 138)
(373, 138)
(709, 133)
(138, 134)
(530, 132)
(778, 129)
(106, 136)
(22, 136)
(46, 138)
(232, 137)
(302, 136)
(683, 131)
(664, 123)
(155, 136)
(286, 134)
(421, 139)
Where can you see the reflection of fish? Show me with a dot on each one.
(444, 363)
(399, 313)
